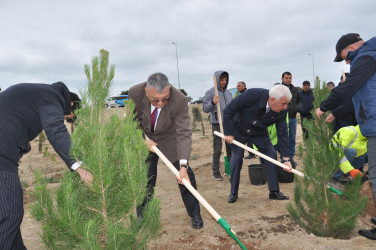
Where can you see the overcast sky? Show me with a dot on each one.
(255, 41)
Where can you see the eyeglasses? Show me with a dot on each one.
(157, 100)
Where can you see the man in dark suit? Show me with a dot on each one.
(163, 114)
(246, 119)
(25, 110)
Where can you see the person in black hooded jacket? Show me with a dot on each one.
(25, 110)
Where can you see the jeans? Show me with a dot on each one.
(356, 162)
(292, 136)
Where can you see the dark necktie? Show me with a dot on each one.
(154, 116)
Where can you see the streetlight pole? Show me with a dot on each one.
(313, 68)
(177, 61)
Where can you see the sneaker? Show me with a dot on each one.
(217, 177)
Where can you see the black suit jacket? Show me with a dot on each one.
(245, 117)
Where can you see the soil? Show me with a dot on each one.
(259, 223)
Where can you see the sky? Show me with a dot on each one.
(254, 41)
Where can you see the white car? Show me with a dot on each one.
(111, 103)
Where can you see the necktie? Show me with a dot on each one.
(154, 116)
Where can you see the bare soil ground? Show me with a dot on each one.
(260, 223)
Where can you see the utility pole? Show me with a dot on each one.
(177, 61)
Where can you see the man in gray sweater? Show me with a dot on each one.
(209, 105)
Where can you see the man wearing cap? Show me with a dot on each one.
(306, 105)
(361, 87)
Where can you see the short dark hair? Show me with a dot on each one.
(286, 73)
(243, 83)
(330, 84)
(224, 75)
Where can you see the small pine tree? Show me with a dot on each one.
(197, 117)
(102, 216)
(315, 208)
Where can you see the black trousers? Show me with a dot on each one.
(191, 203)
(11, 211)
(217, 149)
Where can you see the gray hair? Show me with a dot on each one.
(279, 91)
(158, 81)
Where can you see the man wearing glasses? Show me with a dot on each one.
(163, 115)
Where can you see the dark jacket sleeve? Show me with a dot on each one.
(361, 71)
(52, 119)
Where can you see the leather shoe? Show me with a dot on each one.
(197, 221)
(370, 234)
(232, 198)
(276, 195)
(373, 220)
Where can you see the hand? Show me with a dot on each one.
(319, 113)
(355, 172)
(229, 138)
(216, 99)
(149, 144)
(288, 165)
(85, 176)
(330, 118)
(183, 175)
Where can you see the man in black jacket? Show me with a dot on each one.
(246, 119)
(25, 110)
(292, 110)
(306, 105)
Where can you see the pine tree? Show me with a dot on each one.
(315, 207)
(103, 215)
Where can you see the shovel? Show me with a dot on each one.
(196, 194)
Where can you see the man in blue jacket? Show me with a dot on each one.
(246, 119)
(360, 85)
(25, 110)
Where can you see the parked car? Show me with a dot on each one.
(200, 100)
(116, 101)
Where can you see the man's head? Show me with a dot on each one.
(306, 86)
(158, 89)
(348, 42)
(279, 98)
(330, 85)
(223, 79)
(241, 87)
(286, 78)
(75, 104)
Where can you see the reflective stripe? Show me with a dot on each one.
(356, 136)
(343, 160)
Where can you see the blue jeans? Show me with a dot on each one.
(292, 136)
(356, 162)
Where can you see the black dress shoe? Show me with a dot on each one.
(197, 221)
(232, 198)
(370, 234)
(276, 195)
(373, 220)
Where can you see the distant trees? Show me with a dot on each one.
(124, 92)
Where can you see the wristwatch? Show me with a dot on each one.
(184, 166)
(285, 160)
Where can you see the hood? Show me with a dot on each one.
(63, 89)
(217, 75)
